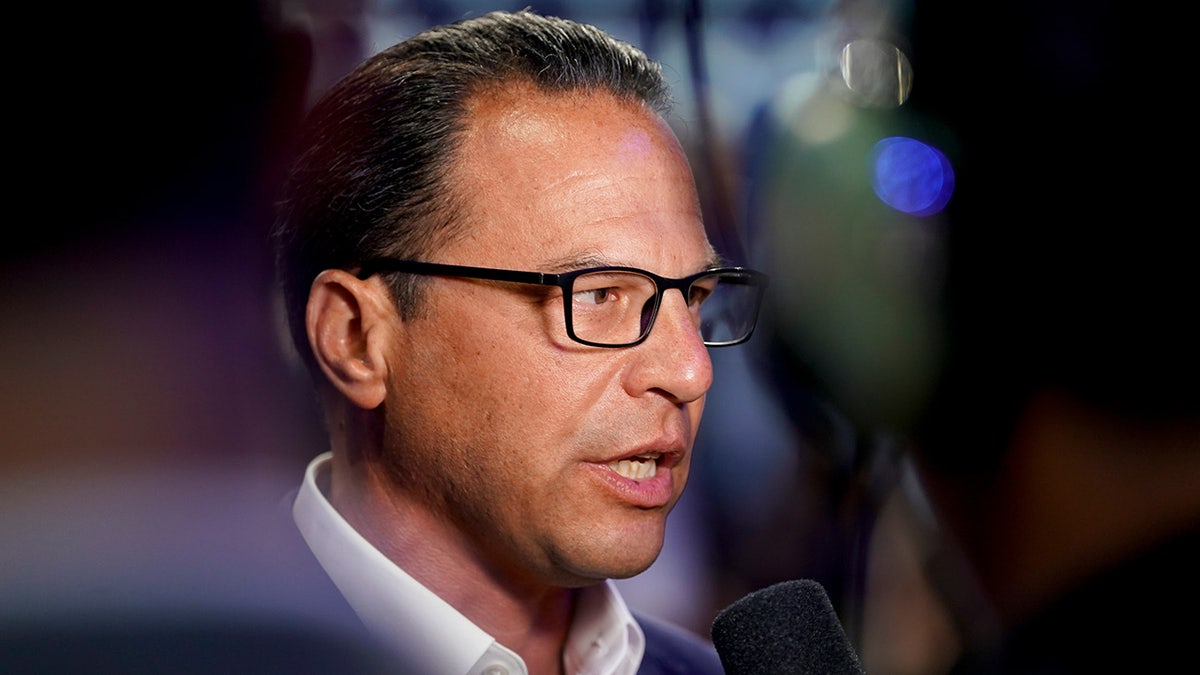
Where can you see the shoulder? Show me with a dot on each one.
(674, 650)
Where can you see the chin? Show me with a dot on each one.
(620, 560)
(633, 566)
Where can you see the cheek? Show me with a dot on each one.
(542, 387)
(504, 373)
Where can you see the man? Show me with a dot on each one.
(471, 246)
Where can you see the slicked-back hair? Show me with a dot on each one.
(371, 169)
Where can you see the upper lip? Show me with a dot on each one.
(667, 450)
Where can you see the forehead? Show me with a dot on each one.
(558, 178)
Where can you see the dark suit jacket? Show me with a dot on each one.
(674, 650)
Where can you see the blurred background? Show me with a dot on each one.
(154, 413)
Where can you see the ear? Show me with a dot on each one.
(347, 320)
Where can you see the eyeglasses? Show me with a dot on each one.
(616, 306)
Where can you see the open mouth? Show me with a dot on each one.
(638, 467)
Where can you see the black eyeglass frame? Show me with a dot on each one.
(566, 281)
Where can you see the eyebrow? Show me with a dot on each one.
(581, 261)
(577, 262)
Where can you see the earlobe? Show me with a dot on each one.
(344, 319)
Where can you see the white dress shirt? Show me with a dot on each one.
(424, 632)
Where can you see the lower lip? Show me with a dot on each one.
(648, 493)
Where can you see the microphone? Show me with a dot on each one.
(790, 627)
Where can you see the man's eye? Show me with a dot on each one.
(698, 294)
(595, 296)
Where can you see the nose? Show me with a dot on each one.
(673, 359)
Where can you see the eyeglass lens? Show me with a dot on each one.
(619, 307)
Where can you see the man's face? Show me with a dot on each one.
(530, 442)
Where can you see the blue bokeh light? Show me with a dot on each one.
(911, 176)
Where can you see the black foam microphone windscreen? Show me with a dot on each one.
(790, 627)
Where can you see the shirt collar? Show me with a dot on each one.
(428, 635)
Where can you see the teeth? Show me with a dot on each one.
(637, 468)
